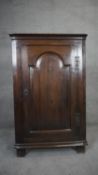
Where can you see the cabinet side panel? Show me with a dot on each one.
(17, 92)
(84, 88)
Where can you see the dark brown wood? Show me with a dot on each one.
(49, 90)
(21, 152)
(80, 149)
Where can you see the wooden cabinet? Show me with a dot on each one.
(49, 90)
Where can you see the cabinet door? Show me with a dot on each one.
(51, 97)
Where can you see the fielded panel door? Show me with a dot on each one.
(52, 91)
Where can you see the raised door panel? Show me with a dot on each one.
(49, 87)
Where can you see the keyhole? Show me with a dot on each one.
(26, 92)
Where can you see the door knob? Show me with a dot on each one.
(26, 92)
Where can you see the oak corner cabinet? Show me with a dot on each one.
(49, 82)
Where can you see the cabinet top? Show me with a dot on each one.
(46, 36)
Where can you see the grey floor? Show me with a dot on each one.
(49, 162)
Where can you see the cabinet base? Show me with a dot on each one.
(21, 148)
